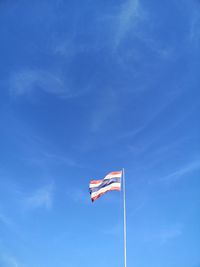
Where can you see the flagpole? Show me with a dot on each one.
(124, 200)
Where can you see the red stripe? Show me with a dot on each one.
(99, 181)
(95, 181)
(115, 172)
(97, 196)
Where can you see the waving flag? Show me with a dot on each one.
(112, 181)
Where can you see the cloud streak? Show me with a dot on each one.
(155, 114)
(189, 168)
(78, 195)
(114, 231)
(9, 261)
(194, 34)
(168, 233)
(41, 198)
(127, 18)
(104, 110)
(5, 220)
(27, 82)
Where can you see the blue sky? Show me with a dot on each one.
(89, 87)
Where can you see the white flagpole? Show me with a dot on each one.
(124, 198)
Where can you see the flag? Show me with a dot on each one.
(112, 181)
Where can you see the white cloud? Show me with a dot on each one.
(68, 48)
(195, 27)
(56, 159)
(26, 82)
(4, 219)
(169, 233)
(30, 82)
(119, 22)
(79, 195)
(151, 117)
(163, 234)
(184, 170)
(45, 159)
(13, 262)
(106, 107)
(126, 20)
(42, 198)
(9, 261)
(116, 230)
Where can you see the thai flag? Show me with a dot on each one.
(112, 181)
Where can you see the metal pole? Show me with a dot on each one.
(124, 198)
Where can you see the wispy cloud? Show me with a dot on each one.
(161, 152)
(5, 220)
(26, 82)
(116, 230)
(155, 114)
(168, 233)
(104, 110)
(184, 170)
(57, 159)
(128, 17)
(41, 198)
(119, 21)
(194, 34)
(163, 234)
(40, 152)
(32, 82)
(78, 195)
(66, 48)
(9, 261)
(46, 159)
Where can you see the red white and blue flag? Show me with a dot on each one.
(112, 181)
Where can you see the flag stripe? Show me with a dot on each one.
(107, 188)
(105, 182)
(96, 182)
(108, 176)
(100, 194)
(112, 181)
(113, 174)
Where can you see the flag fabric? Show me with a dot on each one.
(112, 181)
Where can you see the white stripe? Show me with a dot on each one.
(104, 189)
(110, 175)
(95, 185)
(107, 178)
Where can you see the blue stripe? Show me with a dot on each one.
(105, 183)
